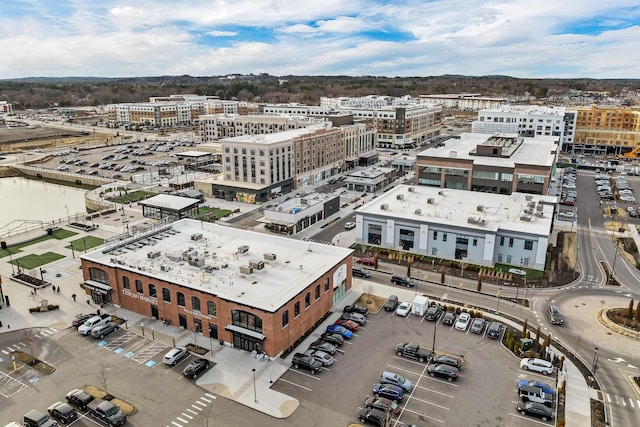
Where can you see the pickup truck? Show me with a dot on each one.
(106, 412)
(88, 325)
(413, 351)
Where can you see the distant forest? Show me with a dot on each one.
(75, 92)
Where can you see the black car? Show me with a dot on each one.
(391, 303)
(360, 272)
(300, 360)
(335, 339)
(80, 318)
(402, 281)
(477, 326)
(323, 346)
(372, 416)
(356, 309)
(354, 317)
(433, 312)
(62, 412)
(535, 410)
(493, 331)
(79, 398)
(195, 368)
(446, 359)
(448, 318)
(443, 371)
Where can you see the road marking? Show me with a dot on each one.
(292, 383)
(187, 415)
(608, 397)
(210, 395)
(306, 375)
(423, 415)
(197, 407)
(631, 402)
(430, 403)
(182, 420)
(192, 411)
(176, 424)
(205, 399)
(617, 401)
(528, 419)
(201, 403)
(434, 391)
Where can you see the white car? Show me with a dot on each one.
(537, 365)
(404, 309)
(175, 355)
(567, 215)
(462, 324)
(350, 225)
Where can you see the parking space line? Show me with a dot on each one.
(410, 361)
(176, 424)
(439, 381)
(306, 375)
(528, 419)
(192, 411)
(292, 383)
(423, 415)
(405, 370)
(430, 403)
(434, 391)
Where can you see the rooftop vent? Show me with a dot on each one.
(153, 254)
(441, 192)
(256, 264)
(245, 269)
(528, 198)
(525, 218)
(384, 207)
(165, 268)
(269, 256)
(196, 261)
(400, 197)
(418, 211)
(196, 236)
(539, 207)
(243, 249)
(430, 201)
(412, 189)
(480, 208)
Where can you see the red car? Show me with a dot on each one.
(349, 324)
(366, 261)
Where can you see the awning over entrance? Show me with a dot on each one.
(97, 286)
(245, 331)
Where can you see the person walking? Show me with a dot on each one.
(74, 297)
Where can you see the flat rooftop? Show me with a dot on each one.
(462, 208)
(169, 202)
(538, 151)
(206, 257)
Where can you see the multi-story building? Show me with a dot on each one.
(214, 127)
(501, 164)
(249, 290)
(606, 130)
(300, 212)
(529, 121)
(481, 229)
(463, 101)
(6, 108)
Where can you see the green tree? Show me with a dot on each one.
(630, 311)
(524, 328)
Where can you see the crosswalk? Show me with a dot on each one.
(193, 410)
(623, 401)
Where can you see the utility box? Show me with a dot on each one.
(420, 305)
(526, 344)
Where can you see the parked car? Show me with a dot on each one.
(354, 308)
(349, 324)
(555, 317)
(381, 403)
(535, 409)
(477, 326)
(104, 330)
(366, 261)
(447, 359)
(331, 338)
(360, 272)
(323, 346)
(404, 309)
(340, 330)
(80, 318)
(195, 368)
(372, 416)
(494, 329)
(62, 412)
(390, 391)
(354, 317)
(300, 360)
(35, 418)
(325, 358)
(443, 371)
(349, 225)
(175, 355)
(392, 303)
(462, 324)
(79, 398)
(395, 379)
(433, 312)
(448, 318)
(402, 281)
(537, 365)
(535, 383)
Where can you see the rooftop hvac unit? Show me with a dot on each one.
(256, 264)
(480, 208)
(525, 218)
(400, 197)
(418, 211)
(539, 207)
(412, 189)
(430, 201)
(174, 257)
(196, 236)
(540, 214)
(245, 269)
(384, 207)
(243, 249)
(196, 261)
(532, 204)
(441, 192)
(529, 211)
(121, 262)
(269, 256)
(304, 202)
(528, 198)
(472, 220)
(165, 268)
(153, 254)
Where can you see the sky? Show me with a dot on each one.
(393, 38)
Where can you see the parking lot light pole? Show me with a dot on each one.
(594, 365)
(498, 295)
(433, 346)
(255, 395)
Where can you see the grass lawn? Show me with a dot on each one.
(57, 234)
(63, 234)
(531, 273)
(131, 197)
(89, 242)
(29, 262)
(208, 213)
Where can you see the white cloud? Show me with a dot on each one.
(222, 33)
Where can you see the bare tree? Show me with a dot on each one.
(28, 336)
(103, 376)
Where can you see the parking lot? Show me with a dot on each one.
(485, 392)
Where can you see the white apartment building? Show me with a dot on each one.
(528, 121)
(214, 127)
(372, 102)
(463, 101)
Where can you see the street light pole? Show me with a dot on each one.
(594, 365)
(498, 295)
(433, 347)
(255, 395)
(615, 257)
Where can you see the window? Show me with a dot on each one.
(195, 303)
(98, 275)
(296, 309)
(211, 308)
(166, 295)
(528, 245)
(152, 291)
(435, 235)
(180, 298)
(317, 291)
(285, 318)
(492, 176)
(246, 320)
(511, 242)
(444, 237)
(138, 286)
(501, 240)
(475, 242)
(125, 282)
(307, 300)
